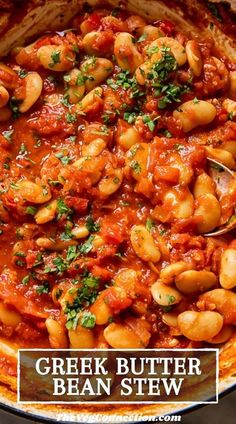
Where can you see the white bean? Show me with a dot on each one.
(193, 113)
(221, 155)
(95, 96)
(224, 301)
(128, 138)
(181, 203)
(223, 336)
(94, 148)
(81, 338)
(111, 183)
(171, 271)
(8, 316)
(4, 96)
(228, 269)
(46, 213)
(209, 209)
(80, 232)
(194, 57)
(120, 336)
(33, 87)
(203, 185)
(97, 70)
(126, 53)
(175, 47)
(192, 282)
(200, 326)
(56, 58)
(31, 192)
(230, 106)
(143, 244)
(165, 295)
(57, 334)
(232, 85)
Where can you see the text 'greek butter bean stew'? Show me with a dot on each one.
(106, 191)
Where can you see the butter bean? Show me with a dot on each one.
(192, 282)
(228, 269)
(143, 244)
(200, 326)
(165, 295)
(192, 114)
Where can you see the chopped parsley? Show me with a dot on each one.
(22, 73)
(25, 280)
(170, 93)
(85, 295)
(67, 235)
(65, 159)
(116, 180)
(87, 246)
(8, 135)
(60, 266)
(71, 118)
(88, 320)
(43, 288)
(130, 117)
(178, 147)
(167, 134)
(6, 164)
(62, 209)
(19, 263)
(72, 253)
(65, 100)
(162, 68)
(106, 118)
(91, 225)
(39, 260)
(158, 79)
(162, 232)
(31, 210)
(136, 167)
(55, 56)
(170, 299)
(14, 106)
(150, 224)
(150, 122)
(124, 80)
(143, 37)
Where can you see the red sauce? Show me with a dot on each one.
(49, 269)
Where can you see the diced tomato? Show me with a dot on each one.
(187, 224)
(31, 259)
(27, 332)
(79, 204)
(145, 187)
(104, 42)
(112, 233)
(166, 173)
(102, 273)
(166, 26)
(46, 124)
(93, 22)
(44, 41)
(116, 298)
(4, 143)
